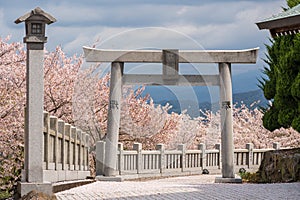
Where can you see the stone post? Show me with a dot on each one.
(162, 164)
(226, 120)
(249, 147)
(139, 164)
(47, 139)
(227, 151)
(79, 138)
(170, 61)
(73, 148)
(218, 147)
(34, 115)
(121, 158)
(113, 122)
(202, 147)
(100, 155)
(68, 147)
(77, 149)
(87, 148)
(182, 148)
(35, 23)
(61, 130)
(276, 145)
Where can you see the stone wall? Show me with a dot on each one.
(280, 166)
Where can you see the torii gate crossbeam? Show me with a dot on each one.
(170, 76)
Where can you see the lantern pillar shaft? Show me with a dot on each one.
(34, 113)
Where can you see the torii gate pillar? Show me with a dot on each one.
(227, 151)
(113, 122)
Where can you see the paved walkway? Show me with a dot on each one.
(189, 187)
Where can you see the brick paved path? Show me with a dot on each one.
(190, 187)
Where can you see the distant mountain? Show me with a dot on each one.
(248, 98)
(194, 98)
(193, 107)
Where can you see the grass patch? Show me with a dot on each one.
(249, 177)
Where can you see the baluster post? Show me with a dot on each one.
(162, 165)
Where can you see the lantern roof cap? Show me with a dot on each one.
(46, 17)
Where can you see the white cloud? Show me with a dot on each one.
(135, 24)
(212, 24)
(182, 10)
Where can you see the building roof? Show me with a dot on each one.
(47, 18)
(288, 13)
(284, 23)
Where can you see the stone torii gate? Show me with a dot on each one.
(170, 60)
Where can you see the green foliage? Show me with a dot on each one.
(286, 116)
(283, 83)
(296, 123)
(295, 90)
(250, 177)
(269, 89)
(4, 195)
(292, 3)
(270, 119)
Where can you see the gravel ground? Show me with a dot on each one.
(189, 187)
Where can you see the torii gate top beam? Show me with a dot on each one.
(246, 56)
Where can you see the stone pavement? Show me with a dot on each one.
(189, 187)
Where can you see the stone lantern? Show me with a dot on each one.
(35, 25)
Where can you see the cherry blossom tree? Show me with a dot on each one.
(143, 121)
(12, 99)
(90, 102)
(80, 97)
(247, 128)
(60, 73)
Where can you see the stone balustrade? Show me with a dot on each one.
(161, 162)
(65, 151)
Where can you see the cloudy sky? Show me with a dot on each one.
(136, 24)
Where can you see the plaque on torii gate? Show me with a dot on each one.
(170, 58)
